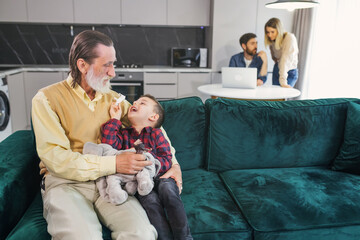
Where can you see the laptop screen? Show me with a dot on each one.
(238, 77)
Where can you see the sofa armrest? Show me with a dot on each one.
(19, 178)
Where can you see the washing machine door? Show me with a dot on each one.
(4, 110)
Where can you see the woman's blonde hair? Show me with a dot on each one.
(275, 23)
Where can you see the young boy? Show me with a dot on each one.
(146, 116)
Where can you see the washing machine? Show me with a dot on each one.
(5, 121)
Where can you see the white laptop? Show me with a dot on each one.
(239, 77)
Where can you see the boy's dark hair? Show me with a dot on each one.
(158, 110)
(246, 37)
(83, 46)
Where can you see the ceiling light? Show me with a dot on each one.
(292, 4)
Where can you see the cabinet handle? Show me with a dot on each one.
(125, 84)
(160, 83)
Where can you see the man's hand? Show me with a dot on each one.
(115, 111)
(42, 167)
(175, 173)
(259, 82)
(286, 86)
(130, 163)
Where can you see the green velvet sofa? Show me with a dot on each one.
(251, 170)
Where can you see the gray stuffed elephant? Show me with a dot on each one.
(111, 187)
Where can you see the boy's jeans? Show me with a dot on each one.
(164, 200)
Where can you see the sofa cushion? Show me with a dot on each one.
(185, 126)
(282, 203)
(331, 233)
(348, 159)
(19, 178)
(211, 211)
(260, 134)
(33, 225)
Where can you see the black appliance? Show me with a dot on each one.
(129, 84)
(189, 57)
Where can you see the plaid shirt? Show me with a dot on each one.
(124, 138)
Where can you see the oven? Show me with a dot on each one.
(129, 84)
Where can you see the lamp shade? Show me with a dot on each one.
(292, 4)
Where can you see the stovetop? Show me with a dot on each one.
(130, 65)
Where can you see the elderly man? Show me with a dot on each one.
(68, 114)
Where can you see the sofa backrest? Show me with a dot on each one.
(259, 134)
(185, 124)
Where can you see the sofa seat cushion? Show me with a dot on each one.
(33, 225)
(19, 178)
(277, 203)
(211, 212)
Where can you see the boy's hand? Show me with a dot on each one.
(115, 111)
(175, 173)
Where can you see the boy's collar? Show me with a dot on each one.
(146, 129)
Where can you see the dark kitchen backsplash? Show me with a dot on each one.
(28, 44)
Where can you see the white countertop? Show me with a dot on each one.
(33, 69)
(259, 93)
(144, 69)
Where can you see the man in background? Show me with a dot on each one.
(250, 57)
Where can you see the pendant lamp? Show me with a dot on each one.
(292, 4)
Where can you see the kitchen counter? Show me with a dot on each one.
(7, 72)
(14, 70)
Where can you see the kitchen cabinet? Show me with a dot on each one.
(189, 82)
(97, 12)
(144, 12)
(134, 12)
(51, 11)
(188, 12)
(13, 11)
(17, 102)
(163, 86)
(33, 82)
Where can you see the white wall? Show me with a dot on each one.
(233, 18)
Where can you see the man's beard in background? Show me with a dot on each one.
(251, 53)
(97, 83)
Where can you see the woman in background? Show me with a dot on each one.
(284, 52)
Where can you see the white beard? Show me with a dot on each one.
(97, 83)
